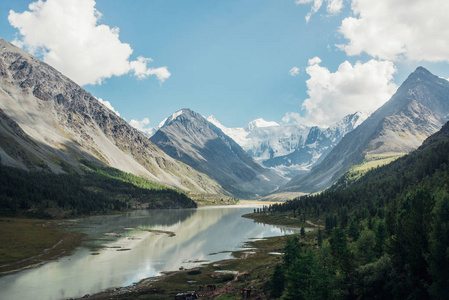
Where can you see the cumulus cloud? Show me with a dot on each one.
(294, 71)
(108, 105)
(70, 38)
(142, 125)
(292, 117)
(332, 7)
(359, 87)
(400, 29)
(139, 67)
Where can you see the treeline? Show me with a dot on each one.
(100, 190)
(386, 235)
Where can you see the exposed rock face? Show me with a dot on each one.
(418, 109)
(49, 122)
(190, 138)
(290, 149)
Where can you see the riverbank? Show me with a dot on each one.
(28, 243)
(250, 270)
(277, 219)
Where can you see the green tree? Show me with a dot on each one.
(320, 237)
(410, 244)
(343, 260)
(365, 247)
(307, 279)
(292, 251)
(381, 236)
(438, 257)
(374, 280)
(277, 282)
(353, 230)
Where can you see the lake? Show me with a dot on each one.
(127, 248)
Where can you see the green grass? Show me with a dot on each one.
(285, 219)
(203, 199)
(375, 161)
(23, 242)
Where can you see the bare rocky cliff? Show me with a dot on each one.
(49, 122)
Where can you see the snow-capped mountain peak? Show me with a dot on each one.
(260, 123)
(289, 148)
(214, 121)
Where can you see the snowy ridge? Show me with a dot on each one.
(292, 148)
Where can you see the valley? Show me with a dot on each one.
(199, 236)
(340, 201)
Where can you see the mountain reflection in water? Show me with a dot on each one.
(150, 249)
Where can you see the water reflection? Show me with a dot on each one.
(198, 234)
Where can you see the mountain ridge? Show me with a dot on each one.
(192, 139)
(67, 124)
(418, 109)
(290, 149)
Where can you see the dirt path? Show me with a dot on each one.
(313, 224)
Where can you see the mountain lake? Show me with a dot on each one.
(124, 249)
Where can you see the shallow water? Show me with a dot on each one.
(127, 252)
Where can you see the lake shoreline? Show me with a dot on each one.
(69, 241)
(251, 269)
(59, 243)
(146, 285)
(263, 254)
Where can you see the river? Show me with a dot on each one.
(127, 248)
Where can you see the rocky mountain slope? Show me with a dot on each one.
(187, 136)
(47, 122)
(293, 148)
(418, 109)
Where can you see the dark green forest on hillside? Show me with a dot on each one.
(100, 190)
(385, 236)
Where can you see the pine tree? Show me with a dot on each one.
(320, 237)
(277, 282)
(438, 257)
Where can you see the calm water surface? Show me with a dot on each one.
(199, 235)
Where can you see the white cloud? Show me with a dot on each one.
(294, 71)
(410, 29)
(332, 7)
(108, 105)
(142, 125)
(69, 37)
(362, 87)
(139, 67)
(292, 117)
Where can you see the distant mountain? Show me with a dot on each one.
(49, 123)
(289, 149)
(189, 137)
(418, 109)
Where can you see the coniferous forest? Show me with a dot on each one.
(100, 190)
(385, 236)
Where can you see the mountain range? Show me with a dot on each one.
(189, 137)
(290, 149)
(50, 124)
(418, 109)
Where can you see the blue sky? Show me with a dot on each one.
(231, 59)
